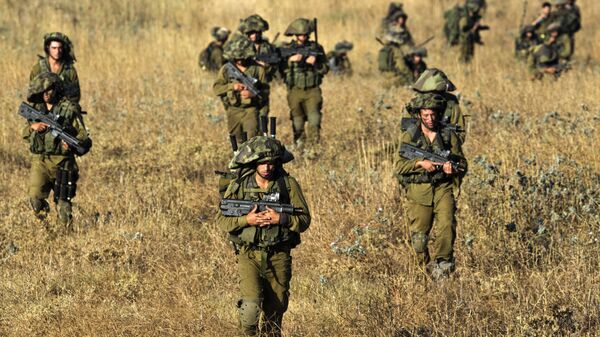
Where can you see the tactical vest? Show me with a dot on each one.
(302, 75)
(71, 89)
(444, 139)
(46, 143)
(263, 237)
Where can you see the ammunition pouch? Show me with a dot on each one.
(65, 185)
(265, 237)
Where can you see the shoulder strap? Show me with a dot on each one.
(283, 184)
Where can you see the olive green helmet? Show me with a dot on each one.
(253, 23)
(420, 51)
(41, 83)
(474, 5)
(300, 26)
(343, 47)
(554, 27)
(62, 38)
(220, 33)
(428, 100)
(260, 149)
(433, 80)
(560, 2)
(239, 47)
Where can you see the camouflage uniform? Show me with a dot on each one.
(211, 58)
(303, 82)
(390, 25)
(263, 253)
(394, 69)
(47, 153)
(338, 60)
(435, 81)
(549, 54)
(256, 24)
(569, 19)
(242, 113)
(416, 68)
(431, 195)
(525, 43)
(66, 72)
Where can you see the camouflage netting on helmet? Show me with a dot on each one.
(420, 51)
(343, 46)
(433, 80)
(220, 33)
(260, 149)
(427, 101)
(62, 38)
(300, 26)
(239, 47)
(40, 84)
(253, 23)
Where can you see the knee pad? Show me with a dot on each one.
(39, 205)
(249, 314)
(64, 212)
(419, 242)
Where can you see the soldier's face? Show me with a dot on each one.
(302, 38)
(55, 49)
(546, 10)
(254, 36)
(428, 118)
(266, 170)
(417, 59)
(49, 96)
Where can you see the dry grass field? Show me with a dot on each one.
(146, 259)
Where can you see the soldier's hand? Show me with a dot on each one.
(296, 58)
(64, 145)
(550, 70)
(311, 60)
(246, 94)
(271, 217)
(238, 87)
(261, 63)
(447, 168)
(39, 127)
(254, 218)
(428, 165)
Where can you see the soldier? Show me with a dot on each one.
(435, 81)
(253, 27)
(568, 16)
(545, 59)
(525, 42)
(393, 66)
(59, 59)
(397, 27)
(541, 22)
(338, 60)
(393, 9)
(49, 154)
(415, 61)
(211, 58)
(303, 76)
(430, 185)
(263, 240)
(241, 106)
(470, 25)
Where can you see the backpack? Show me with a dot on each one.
(386, 58)
(451, 24)
(204, 59)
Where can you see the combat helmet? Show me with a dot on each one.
(428, 100)
(260, 149)
(239, 47)
(527, 29)
(300, 26)
(560, 2)
(220, 33)
(393, 8)
(474, 5)
(418, 51)
(343, 47)
(66, 43)
(41, 83)
(554, 27)
(253, 23)
(433, 80)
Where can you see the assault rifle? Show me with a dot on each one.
(232, 207)
(283, 53)
(249, 82)
(52, 120)
(410, 152)
(407, 122)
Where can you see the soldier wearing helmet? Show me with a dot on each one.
(469, 27)
(338, 61)
(415, 61)
(59, 59)
(392, 62)
(551, 57)
(49, 154)
(264, 240)
(430, 186)
(395, 23)
(435, 81)
(241, 106)
(525, 43)
(303, 77)
(211, 58)
(253, 27)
